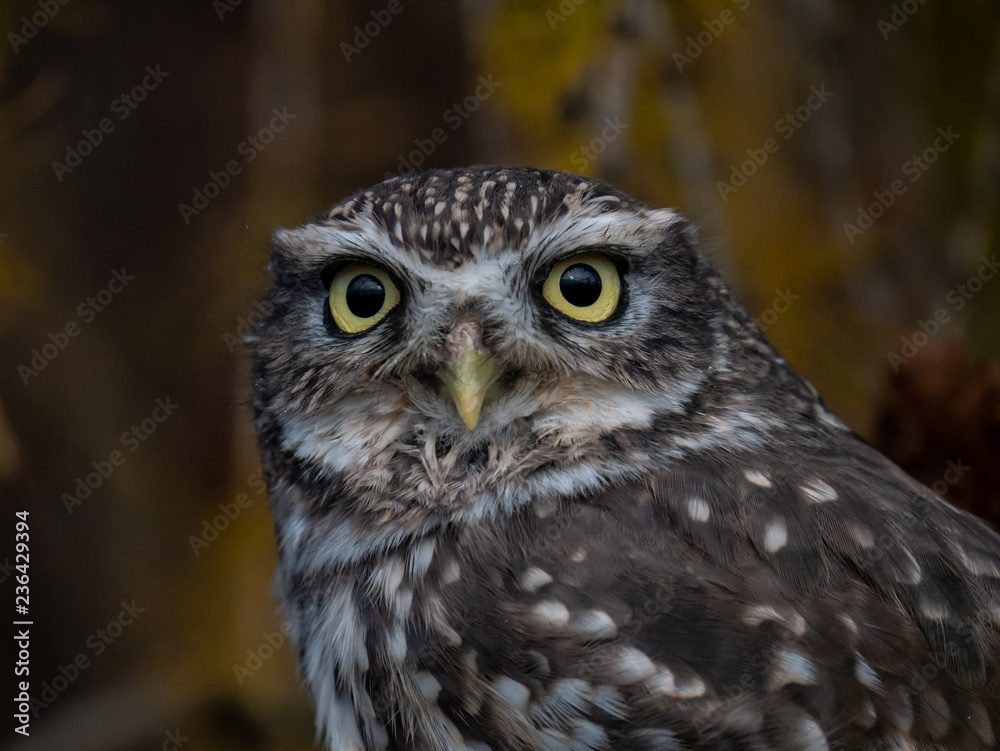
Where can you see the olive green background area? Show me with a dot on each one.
(770, 124)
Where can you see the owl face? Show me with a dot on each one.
(438, 327)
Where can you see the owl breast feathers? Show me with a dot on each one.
(540, 482)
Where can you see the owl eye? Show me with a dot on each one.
(586, 287)
(360, 296)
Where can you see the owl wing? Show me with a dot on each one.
(727, 603)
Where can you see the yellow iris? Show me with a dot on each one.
(360, 296)
(586, 287)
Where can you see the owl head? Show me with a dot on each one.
(493, 331)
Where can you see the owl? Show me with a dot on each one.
(539, 482)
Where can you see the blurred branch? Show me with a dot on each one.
(973, 234)
(618, 80)
(10, 456)
(31, 104)
(688, 147)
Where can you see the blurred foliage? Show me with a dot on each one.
(666, 99)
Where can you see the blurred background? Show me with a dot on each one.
(842, 160)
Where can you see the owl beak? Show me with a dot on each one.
(468, 372)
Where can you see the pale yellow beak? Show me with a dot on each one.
(468, 373)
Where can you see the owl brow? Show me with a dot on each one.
(589, 238)
(339, 243)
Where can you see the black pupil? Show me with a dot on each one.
(580, 285)
(365, 295)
